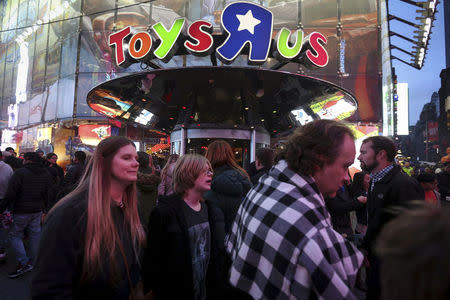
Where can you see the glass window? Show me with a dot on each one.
(69, 55)
(95, 6)
(32, 12)
(66, 92)
(137, 16)
(53, 59)
(366, 90)
(361, 45)
(38, 70)
(35, 108)
(22, 18)
(9, 69)
(24, 110)
(50, 102)
(319, 14)
(41, 38)
(359, 13)
(95, 54)
(86, 81)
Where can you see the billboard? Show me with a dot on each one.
(402, 109)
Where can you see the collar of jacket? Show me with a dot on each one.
(395, 170)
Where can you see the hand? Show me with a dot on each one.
(362, 199)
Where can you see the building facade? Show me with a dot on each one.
(53, 52)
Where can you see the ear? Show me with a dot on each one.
(381, 155)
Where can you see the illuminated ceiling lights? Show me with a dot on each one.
(422, 33)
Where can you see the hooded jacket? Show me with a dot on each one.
(29, 190)
(167, 266)
(228, 189)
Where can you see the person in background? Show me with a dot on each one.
(444, 184)
(40, 153)
(147, 188)
(29, 194)
(415, 251)
(10, 159)
(55, 170)
(263, 163)
(429, 184)
(407, 168)
(5, 174)
(282, 244)
(92, 238)
(165, 188)
(359, 188)
(74, 172)
(230, 182)
(389, 186)
(185, 240)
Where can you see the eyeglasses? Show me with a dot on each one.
(208, 172)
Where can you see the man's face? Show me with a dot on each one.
(367, 157)
(331, 177)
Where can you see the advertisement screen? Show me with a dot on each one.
(93, 134)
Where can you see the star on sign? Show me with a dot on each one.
(247, 22)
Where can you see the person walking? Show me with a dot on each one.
(230, 182)
(165, 187)
(5, 174)
(263, 163)
(74, 172)
(389, 186)
(91, 238)
(282, 243)
(147, 188)
(28, 194)
(185, 240)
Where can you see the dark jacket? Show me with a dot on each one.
(340, 207)
(167, 267)
(29, 190)
(59, 262)
(255, 178)
(228, 188)
(147, 193)
(444, 186)
(395, 189)
(72, 177)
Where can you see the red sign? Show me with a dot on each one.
(93, 134)
(433, 133)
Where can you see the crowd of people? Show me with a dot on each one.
(116, 227)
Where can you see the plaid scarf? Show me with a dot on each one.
(283, 246)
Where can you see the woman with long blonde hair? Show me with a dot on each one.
(92, 237)
(230, 183)
(165, 188)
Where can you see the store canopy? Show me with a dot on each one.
(220, 97)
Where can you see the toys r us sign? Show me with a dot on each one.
(244, 23)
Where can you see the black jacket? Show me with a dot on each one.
(228, 188)
(29, 190)
(340, 207)
(72, 177)
(395, 189)
(59, 262)
(167, 266)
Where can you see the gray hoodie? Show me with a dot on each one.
(5, 173)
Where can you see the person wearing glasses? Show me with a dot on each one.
(186, 238)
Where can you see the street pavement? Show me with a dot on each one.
(14, 289)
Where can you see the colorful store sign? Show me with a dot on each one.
(244, 23)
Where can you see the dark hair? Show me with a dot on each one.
(49, 155)
(143, 160)
(265, 156)
(39, 151)
(382, 143)
(426, 177)
(32, 156)
(9, 148)
(80, 156)
(315, 144)
(357, 185)
(415, 251)
(1, 154)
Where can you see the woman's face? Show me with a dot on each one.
(124, 165)
(203, 181)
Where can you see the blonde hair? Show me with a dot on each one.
(219, 153)
(165, 171)
(187, 169)
(101, 232)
